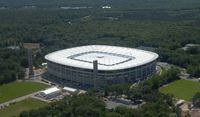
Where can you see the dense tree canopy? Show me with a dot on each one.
(196, 100)
(164, 25)
(157, 104)
(11, 65)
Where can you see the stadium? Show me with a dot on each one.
(100, 65)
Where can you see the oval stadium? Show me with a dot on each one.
(100, 65)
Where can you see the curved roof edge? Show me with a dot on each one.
(141, 57)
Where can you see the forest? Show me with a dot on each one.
(89, 105)
(57, 29)
(164, 25)
(165, 29)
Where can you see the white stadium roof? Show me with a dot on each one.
(108, 57)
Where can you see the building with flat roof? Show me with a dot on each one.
(50, 93)
(70, 90)
(100, 65)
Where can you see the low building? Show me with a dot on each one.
(180, 102)
(191, 45)
(50, 93)
(70, 90)
(106, 7)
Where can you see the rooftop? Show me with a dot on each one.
(108, 57)
(70, 89)
(50, 90)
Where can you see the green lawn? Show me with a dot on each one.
(182, 89)
(16, 89)
(25, 105)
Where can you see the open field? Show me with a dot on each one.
(182, 89)
(16, 89)
(17, 108)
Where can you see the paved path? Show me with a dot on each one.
(41, 99)
(113, 105)
(38, 81)
(5, 104)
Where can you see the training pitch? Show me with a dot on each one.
(182, 89)
(17, 89)
(25, 105)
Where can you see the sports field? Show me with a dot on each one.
(17, 108)
(182, 89)
(16, 89)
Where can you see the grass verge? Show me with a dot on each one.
(17, 89)
(25, 105)
(182, 89)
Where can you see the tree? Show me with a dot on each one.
(194, 70)
(193, 50)
(24, 114)
(196, 99)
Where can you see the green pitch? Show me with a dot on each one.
(17, 89)
(182, 89)
(25, 105)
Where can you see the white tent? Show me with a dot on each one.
(69, 89)
(51, 92)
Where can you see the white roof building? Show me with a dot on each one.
(50, 91)
(69, 89)
(106, 7)
(108, 57)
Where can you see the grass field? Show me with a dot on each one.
(16, 89)
(182, 89)
(17, 108)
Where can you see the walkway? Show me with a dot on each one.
(5, 104)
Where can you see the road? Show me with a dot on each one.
(113, 105)
(37, 73)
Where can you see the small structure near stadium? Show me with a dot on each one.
(50, 93)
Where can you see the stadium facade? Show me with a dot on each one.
(100, 65)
